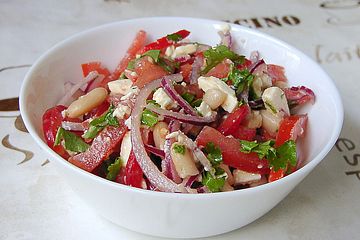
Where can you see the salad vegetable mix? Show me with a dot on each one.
(181, 116)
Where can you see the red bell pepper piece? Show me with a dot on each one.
(51, 121)
(164, 41)
(133, 173)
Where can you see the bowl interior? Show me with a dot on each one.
(44, 84)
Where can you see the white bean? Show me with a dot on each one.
(214, 98)
(87, 102)
(159, 133)
(184, 162)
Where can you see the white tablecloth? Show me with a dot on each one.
(36, 203)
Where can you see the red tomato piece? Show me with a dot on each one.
(94, 66)
(147, 71)
(290, 128)
(164, 41)
(277, 73)
(276, 175)
(246, 65)
(100, 149)
(51, 120)
(185, 70)
(133, 173)
(230, 148)
(220, 71)
(244, 133)
(232, 122)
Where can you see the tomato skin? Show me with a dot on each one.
(232, 122)
(51, 121)
(164, 41)
(230, 148)
(133, 173)
(93, 66)
(247, 63)
(100, 149)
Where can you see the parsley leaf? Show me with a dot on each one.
(154, 54)
(286, 154)
(196, 103)
(131, 65)
(98, 124)
(179, 148)
(114, 169)
(217, 54)
(213, 183)
(175, 37)
(72, 142)
(168, 65)
(213, 153)
(149, 118)
(188, 97)
(278, 157)
(240, 78)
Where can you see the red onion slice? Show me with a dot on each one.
(196, 69)
(225, 38)
(156, 151)
(256, 65)
(156, 178)
(170, 90)
(73, 126)
(196, 120)
(91, 76)
(167, 165)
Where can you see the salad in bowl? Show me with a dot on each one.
(181, 116)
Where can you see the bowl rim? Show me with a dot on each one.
(339, 113)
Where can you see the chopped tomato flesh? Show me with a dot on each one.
(244, 133)
(277, 73)
(230, 125)
(230, 149)
(100, 149)
(290, 128)
(147, 72)
(220, 71)
(133, 173)
(276, 175)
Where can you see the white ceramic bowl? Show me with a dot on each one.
(169, 214)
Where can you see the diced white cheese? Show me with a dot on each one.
(121, 110)
(121, 86)
(163, 99)
(231, 102)
(125, 148)
(242, 177)
(184, 50)
(275, 100)
(204, 109)
(169, 51)
(132, 91)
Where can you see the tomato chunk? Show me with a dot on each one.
(276, 73)
(276, 175)
(100, 149)
(244, 133)
(230, 148)
(51, 120)
(147, 72)
(220, 71)
(290, 128)
(232, 122)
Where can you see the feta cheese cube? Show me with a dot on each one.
(242, 177)
(121, 110)
(184, 50)
(275, 100)
(204, 109)
(231, 102)
(132, 91)
(163, 99)
(121, 86)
